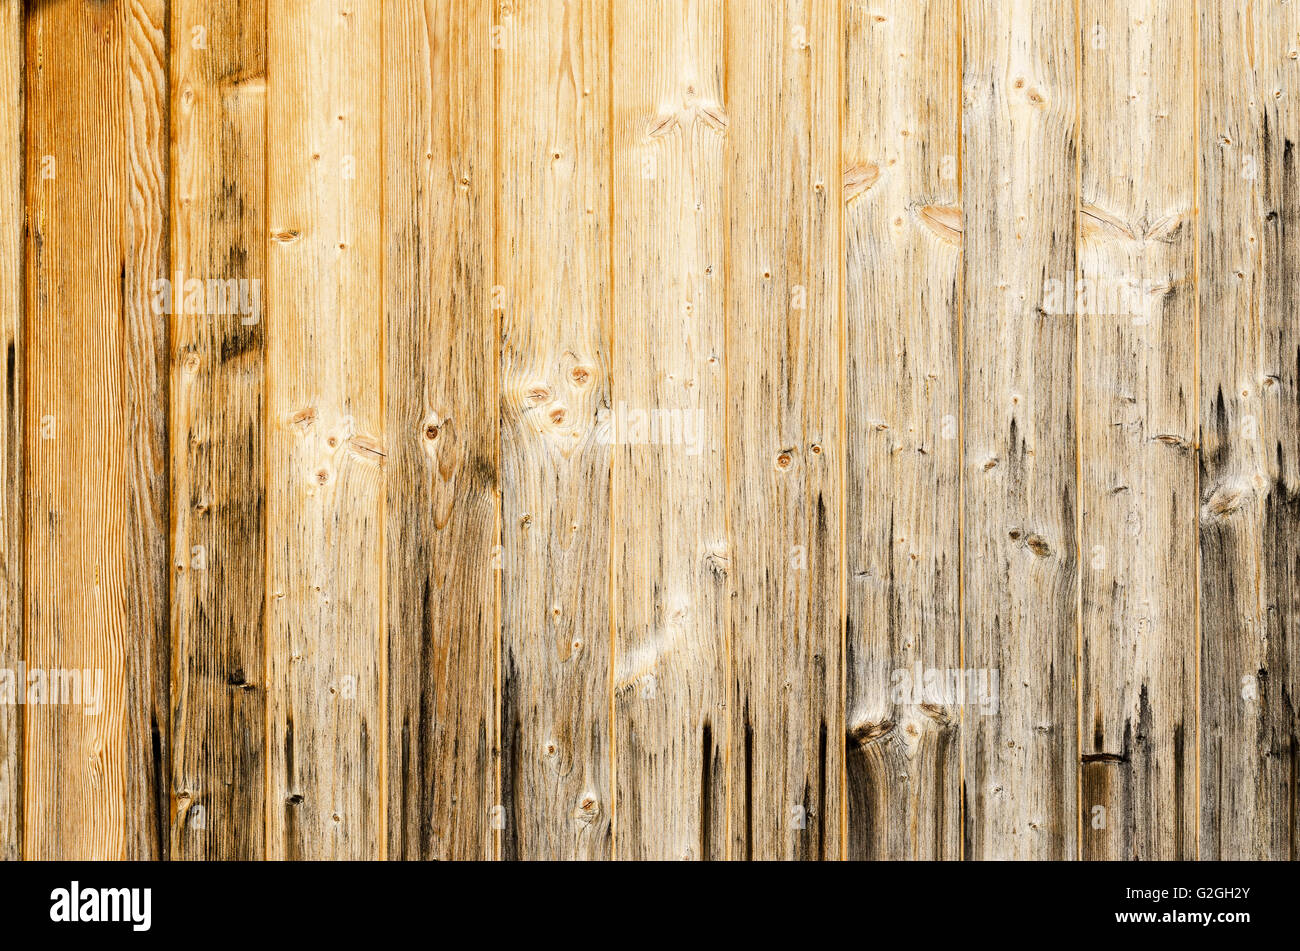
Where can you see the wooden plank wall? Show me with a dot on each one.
(682, 429)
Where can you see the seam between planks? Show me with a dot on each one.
(499, 563)
(728, 694)
(611, 356)
(961, 427)
(841, 271)
(384, 439)
(20, 365)
(1078, 439)
(1196, 398)
(266, 419)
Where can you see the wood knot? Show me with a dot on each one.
(588, 810)
(945, 221)
(868, 733)
(1038, 545)
(859, 179)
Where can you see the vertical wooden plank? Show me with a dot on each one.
(668, 428)
(784, 435)
(218, 227)
(441, 417)
(96, 510)
(1134, 298)
(325, 432)
(552, 264)
(1019, 557)
(1249, 197)
(902, 129)
(11, 433)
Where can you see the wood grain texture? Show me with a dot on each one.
(325, 438)
(902, 230)
(552, 263)
(667, 426)
(95, 483)
(784, 435)
(11, 433)
(1019, 486)
(650, 429)
(1250, 431)
(441, 414)
(1134, 299)
(217, 438)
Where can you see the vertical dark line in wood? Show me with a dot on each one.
(1078, 436)
(706, 791)
(498, 574)
(18, 437)
(267, 316)
(961, 429)
(612, 553)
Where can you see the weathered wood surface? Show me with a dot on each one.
(1134, 302)
(1019, 413)
(552, 261)
(1249, 198)
(217, 435)
(326, 715)
(710, 430)
(11, 432)
(667, 428)
(903, 254)
(441, 413)
(95, 475)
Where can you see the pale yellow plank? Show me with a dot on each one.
(1019, 498)
(325, 432)
(1134, 298)
(667, 425)
(784, 438)
(902, 220)
(11, 433)
(552, 267)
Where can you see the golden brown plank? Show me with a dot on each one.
(11, 433)
(96, 512)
